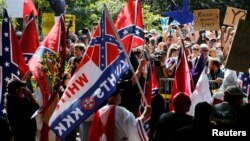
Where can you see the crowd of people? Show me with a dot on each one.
(118, 118)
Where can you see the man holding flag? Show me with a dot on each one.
(93, 82)
(116, 123)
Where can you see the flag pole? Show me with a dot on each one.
(130, 65)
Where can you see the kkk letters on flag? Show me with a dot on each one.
(12, 63)
(129, 25)
(93, 82)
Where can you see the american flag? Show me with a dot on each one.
(12, 63)
(94, 80)
(245, 78)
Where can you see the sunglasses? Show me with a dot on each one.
(204, 50)
(196, 49)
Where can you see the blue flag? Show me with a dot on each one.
(184, 16)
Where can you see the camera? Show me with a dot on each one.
(85, 31)
(156, 57)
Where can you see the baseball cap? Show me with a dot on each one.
(235, 91)
(153, 31)
(14, 84)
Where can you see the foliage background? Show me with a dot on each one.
(88, 11)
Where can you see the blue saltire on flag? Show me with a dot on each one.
(129, 25)
(93, 82)
(12, 63)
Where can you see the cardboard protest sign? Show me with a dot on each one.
(69, 17)
(47, 22)
(239, 54)
(206, 19)
(233, 15)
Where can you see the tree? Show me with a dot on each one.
(88, 11)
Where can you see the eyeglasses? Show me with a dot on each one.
(196, 49)
(204, 50)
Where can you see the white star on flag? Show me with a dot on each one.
(125, 32)
(4, 111)
(137, 32)
(7, 64)
(6, 34)
(6, 49)
(25, 58)
(7, 79)
(244, 87)
(5, 20)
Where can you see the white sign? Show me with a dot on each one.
(15, 8)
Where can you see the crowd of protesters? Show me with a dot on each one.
(228, 109)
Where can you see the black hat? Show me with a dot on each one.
(122, 85)
(14, 84)
(234, 91)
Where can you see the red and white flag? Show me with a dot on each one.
(29, 40)
(28, 7)
(182, 78)
(103, 63)
(12, 63)
(129, 25)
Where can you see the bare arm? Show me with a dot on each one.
(139, 70)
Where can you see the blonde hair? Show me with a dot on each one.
(171, 49)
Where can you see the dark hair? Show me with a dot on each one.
(181, 102)
(215, 61)
(76, 60)
(14, 84)
(203, 111)
(159, 39)
(146, 39)
(65, 76)
(95, 23)
(232, 93)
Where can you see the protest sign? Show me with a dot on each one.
(47, 22)
(239, 54)
(207, 19)
(233, 15)
(69, 17)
